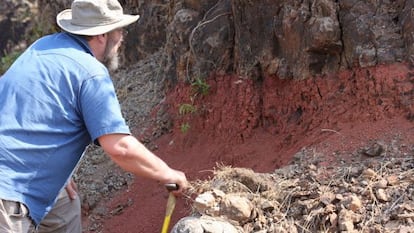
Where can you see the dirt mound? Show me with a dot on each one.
(373, 192)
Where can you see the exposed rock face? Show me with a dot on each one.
(14, 23)
(303, 38)
(289, 39)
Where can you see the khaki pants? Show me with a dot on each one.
(65, 217)
(14, 218)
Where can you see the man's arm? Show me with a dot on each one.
(133, 156)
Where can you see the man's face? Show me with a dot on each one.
(111, 55)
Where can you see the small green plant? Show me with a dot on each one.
(186, 109)
(7, 61)
(200, 86)
(185, 127)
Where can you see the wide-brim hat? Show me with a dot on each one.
(94, 17)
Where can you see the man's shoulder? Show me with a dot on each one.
(70, 51)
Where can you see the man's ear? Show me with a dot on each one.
(102, 38)
(98, 45)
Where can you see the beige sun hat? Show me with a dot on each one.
(94, 17)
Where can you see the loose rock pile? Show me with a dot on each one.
(374, 192)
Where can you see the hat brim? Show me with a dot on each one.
(64, 20)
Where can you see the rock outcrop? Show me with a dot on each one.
(287, 39)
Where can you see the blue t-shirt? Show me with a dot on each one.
(54, 101)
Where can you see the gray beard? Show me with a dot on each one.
(111, 62)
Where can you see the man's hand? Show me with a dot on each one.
(178, 178)
(72, 189)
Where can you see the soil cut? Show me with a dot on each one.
(263, 126)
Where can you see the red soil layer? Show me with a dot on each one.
(261, 125)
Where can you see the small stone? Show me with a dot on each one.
(346, 226)
(392, 226)
(393, 180)
(349, 215)
(382, 183)
(330, 208)
(354, 203)
(204, 201)
(312, 167)
(236, 208)
(327, 198)
(333, 219)
(217, 193)
(374, 150)
(369, 173)
(381, 195)
(339, 197)
(267, 206)
(364, 183)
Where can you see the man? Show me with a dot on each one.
(54, 100)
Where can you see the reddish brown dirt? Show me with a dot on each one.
(262, 125)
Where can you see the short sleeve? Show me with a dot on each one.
(100, 108)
